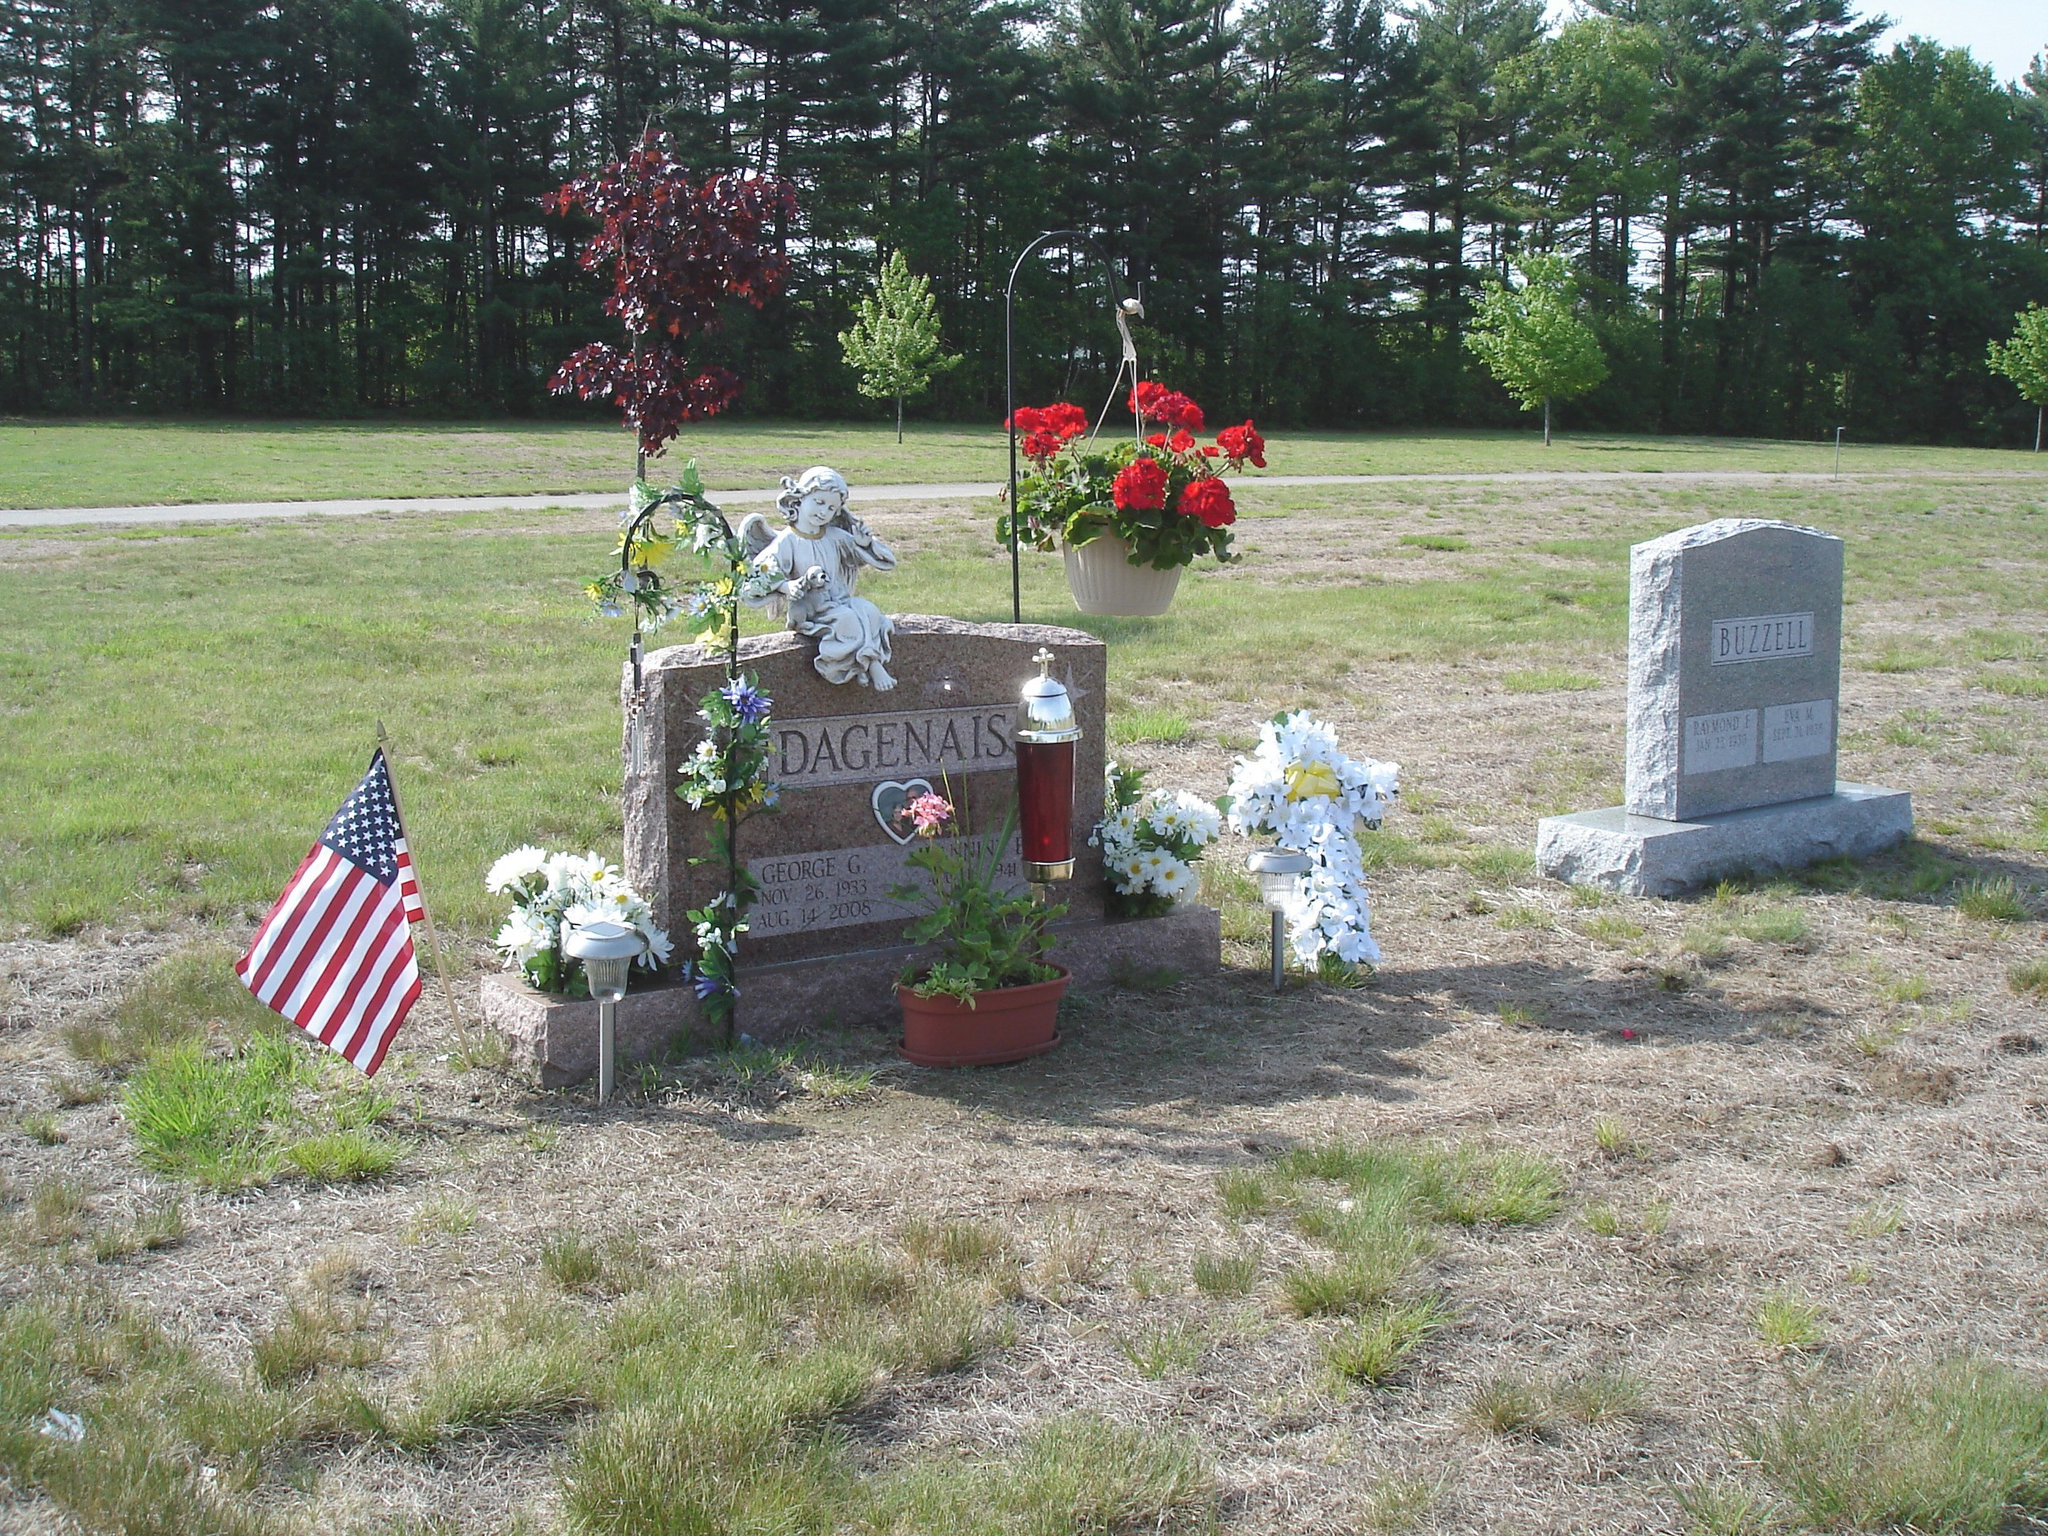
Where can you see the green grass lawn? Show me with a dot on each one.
(184, 709)
(1543, 1093)
(121, 463)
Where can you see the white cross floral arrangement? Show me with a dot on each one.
(1150, 842)
(555, 892)
(1301, 788)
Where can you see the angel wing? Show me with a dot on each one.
(755, 536)
(860, 548)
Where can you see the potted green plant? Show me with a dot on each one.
(1130, 515)
(988, 994)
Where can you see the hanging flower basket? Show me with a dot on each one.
(1007, 1024)
(1159, 501)
(1103, 580)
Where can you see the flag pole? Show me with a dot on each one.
(426, 916)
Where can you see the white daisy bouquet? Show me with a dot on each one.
(1150, 842)
(554, 892)
(1300, 787)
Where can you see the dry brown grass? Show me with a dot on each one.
(1838, 1110)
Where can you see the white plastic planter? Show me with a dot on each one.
(1103, 580)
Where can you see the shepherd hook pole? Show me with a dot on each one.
(1010, 385)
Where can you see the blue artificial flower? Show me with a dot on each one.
(707, 985)
(748, 702)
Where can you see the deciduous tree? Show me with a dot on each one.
(2024, 359)
(1532, 338)
(894, 343)
(678, 250)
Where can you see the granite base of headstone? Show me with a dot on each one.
(1734, 688)
(557, 1041)
(825, 942)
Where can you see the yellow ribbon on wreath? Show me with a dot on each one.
(1307, 780)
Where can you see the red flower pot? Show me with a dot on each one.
(1007, 1024)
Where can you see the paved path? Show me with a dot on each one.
(244, 511)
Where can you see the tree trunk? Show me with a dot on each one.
(1672, 296)
(1546, 421)
(899, 421)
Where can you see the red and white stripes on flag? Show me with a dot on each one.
(335, 954)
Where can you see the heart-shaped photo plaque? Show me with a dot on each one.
(889, 799)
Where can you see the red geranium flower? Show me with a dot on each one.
(1141, 487)
(1210, 451)
(1064, 421)
(1243, 444)
(1040, 425)
(1209, 500)
(1156, 439)
(1181, 441)
(1158, 403)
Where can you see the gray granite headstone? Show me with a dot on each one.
(825, 941)
(1734, 693)
(1735, 667)
(846, 757)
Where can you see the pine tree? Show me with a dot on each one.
(895, 341)
(1462, 47)
(2030, 106)
(1533, 341)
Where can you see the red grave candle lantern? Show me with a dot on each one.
(1045, 737)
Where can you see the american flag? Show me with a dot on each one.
(335, 954)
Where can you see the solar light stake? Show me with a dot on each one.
(1278, 871)
(607, 951)
(1838, 452)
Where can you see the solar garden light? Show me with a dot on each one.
(607, 951)
(1278, 869)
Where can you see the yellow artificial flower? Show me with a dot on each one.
(1307, 780)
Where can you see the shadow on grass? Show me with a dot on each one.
(1918, 873)
(1229, 1041)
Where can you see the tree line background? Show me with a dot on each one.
(333, 206)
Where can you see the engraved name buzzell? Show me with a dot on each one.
(1765, 637)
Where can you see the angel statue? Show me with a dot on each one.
(808, 571)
